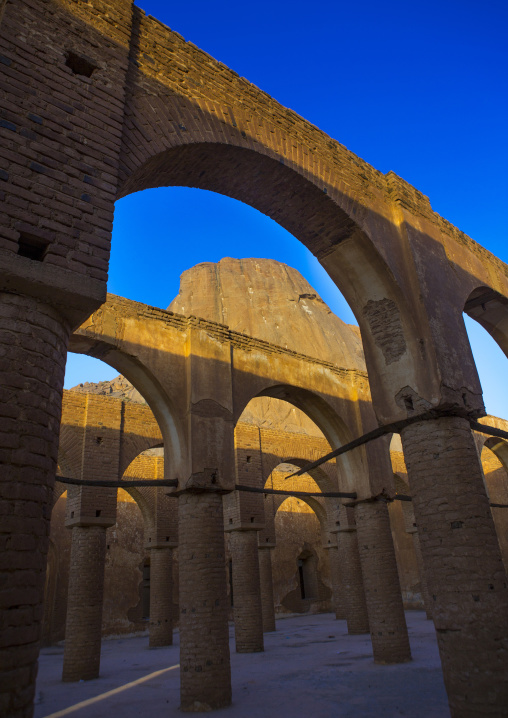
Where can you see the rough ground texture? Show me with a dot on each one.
(310, 667)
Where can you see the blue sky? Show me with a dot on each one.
(419, 89)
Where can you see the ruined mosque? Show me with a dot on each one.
(257, 461)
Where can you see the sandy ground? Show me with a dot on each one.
(310, 667)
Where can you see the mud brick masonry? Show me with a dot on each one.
(99, 101)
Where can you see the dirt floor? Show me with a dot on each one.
(310, 668)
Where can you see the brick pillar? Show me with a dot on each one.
(266, 581)
(427, 600)
(354, 594)
(388, 630)
(33, 349)
(83, 627)
(205, 673)
(247, 609)
(463, 564)
(337, 583)
(161, 597)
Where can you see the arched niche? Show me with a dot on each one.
(300, 563)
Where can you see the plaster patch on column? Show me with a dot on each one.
(211, 409)
(409, 400)
(383, 317)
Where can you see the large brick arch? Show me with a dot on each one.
(191, 121)
(306, 206)
(159, 110)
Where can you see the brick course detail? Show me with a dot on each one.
(82, 653)
(266, 581)
(247, 609)
(387, 622)
(356, 608)
(462, 562)
(33, 340)
(161, 597)
(205, 673)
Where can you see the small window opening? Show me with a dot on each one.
(307, 575)
(97, 513)
(252, 519)
(145, 591)
(72, 514)
(249, 458)
(98, 440)
(408, 403)
(79, 64)
(302, 579)
(32, 247)
(167, 538)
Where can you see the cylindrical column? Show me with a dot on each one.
(247, 609)
(388, 630)
(266, 581)
(426, 597)
(33, 349)
(83, 627)
(337, 583)
(353, 591)
(205, 673)
(161, 597)
(463, 564)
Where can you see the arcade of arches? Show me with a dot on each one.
(100, 101)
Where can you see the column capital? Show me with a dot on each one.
(84, 521)
(243, 526)
(161, 545)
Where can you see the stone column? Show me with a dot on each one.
(161, 597)
(247, 609)
(266, 581)
(337, 583)
(426, 597)
(388, 630)
(205, 673)
(462, 562)
(33, 349)
(354, 594)
(83, 627)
